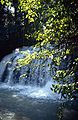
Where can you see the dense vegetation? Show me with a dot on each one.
(56, 23)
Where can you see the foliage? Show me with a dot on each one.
(54, 22)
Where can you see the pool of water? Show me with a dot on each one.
(17, 106)
(14, 106)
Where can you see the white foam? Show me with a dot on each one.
(33, 91)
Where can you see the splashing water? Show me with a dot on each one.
(38, 80)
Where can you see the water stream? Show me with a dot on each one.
(29, 98)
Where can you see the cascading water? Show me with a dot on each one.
(38, 75)
(25, 93)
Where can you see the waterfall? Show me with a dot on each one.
(34, 79)
(37, 72)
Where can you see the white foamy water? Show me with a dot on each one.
(32, 91)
